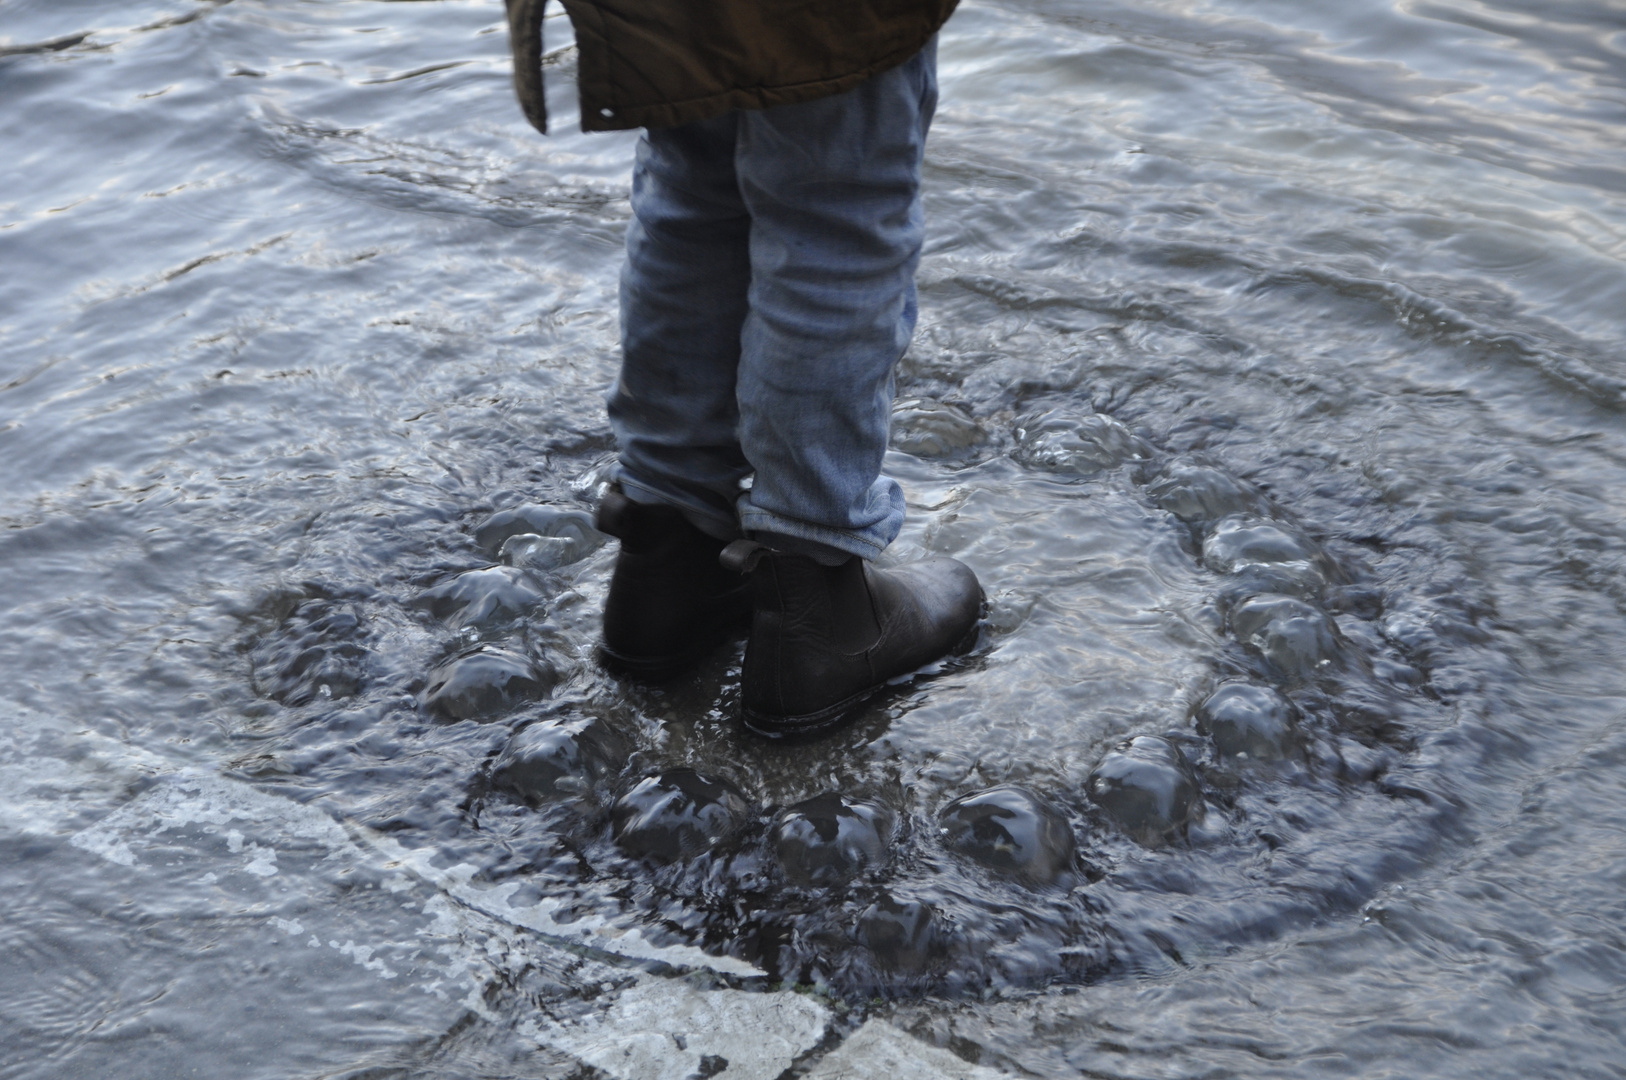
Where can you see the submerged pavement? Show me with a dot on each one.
(256, 866)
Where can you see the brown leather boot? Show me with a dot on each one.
(825, 638)
(670, 601)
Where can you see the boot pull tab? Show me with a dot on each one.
(613, 509)
(742, 556)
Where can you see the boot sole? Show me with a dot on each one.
(661, 669)
(814, 723)
(642, 668)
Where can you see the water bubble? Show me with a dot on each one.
(1148, 787)
(676, 815)
(1292, 635)
(1197, 493)
(1010, 829)
(1247, 721)
(530, 551)
(329, 670)
(485, 680)
(827, 840)
(1300, 580)
(930, 429)
(557, 757)
(1240, 541)
(1007, 611)
(483, 597)
(540, 520)
(316, 652)
(1059, 441)
(900, 934)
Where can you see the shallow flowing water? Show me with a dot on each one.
(1269, 375)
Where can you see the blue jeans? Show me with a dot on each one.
(768, 293)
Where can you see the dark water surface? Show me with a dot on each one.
(1270, 376)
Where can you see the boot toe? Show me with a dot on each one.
(948, 599)
(810, 663)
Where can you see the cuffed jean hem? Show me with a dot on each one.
(865, 543)
(704, 516)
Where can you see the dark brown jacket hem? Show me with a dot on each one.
(670, 113)
(656, 63)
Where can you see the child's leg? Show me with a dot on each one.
(833, 189)
(683, 303)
